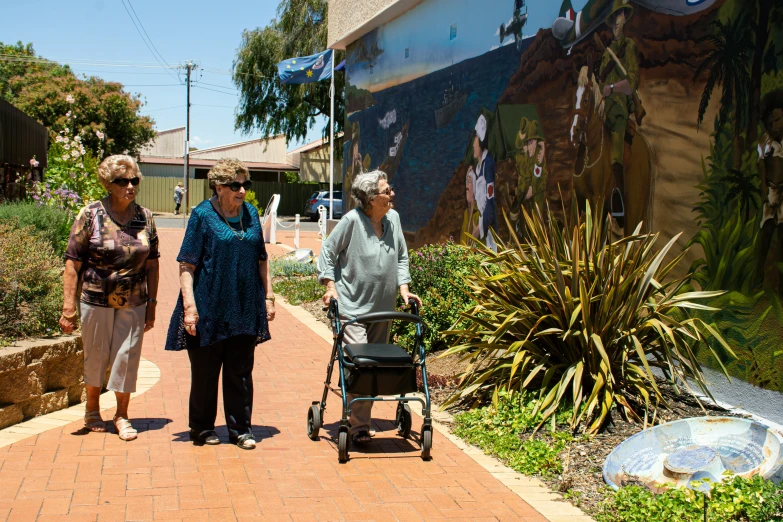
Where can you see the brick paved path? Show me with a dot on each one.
(65, 474)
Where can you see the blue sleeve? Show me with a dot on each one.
(192, 249)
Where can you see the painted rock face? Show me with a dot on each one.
(682, 451)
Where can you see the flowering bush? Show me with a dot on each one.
(71, 177)
(436, 276)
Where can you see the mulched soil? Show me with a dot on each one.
(583, 460)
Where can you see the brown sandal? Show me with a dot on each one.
(94, 422)
(125, 431)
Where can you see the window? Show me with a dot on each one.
(453, 32)
(407, 52)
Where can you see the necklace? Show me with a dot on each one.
(239, 235)
(124, 235)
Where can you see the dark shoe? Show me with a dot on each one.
(245, 441)
(208, 437)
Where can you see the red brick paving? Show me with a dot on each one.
(66, 475)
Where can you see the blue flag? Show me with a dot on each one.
(306, 69)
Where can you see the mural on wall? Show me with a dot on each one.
(669, 112)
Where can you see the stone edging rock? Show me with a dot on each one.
(40, 376)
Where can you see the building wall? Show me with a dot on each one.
(167, 144)
(270, 151)
(348, 16)
(314, 165)
(418, 86)
(164, 171)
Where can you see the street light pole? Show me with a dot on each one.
(190, 67)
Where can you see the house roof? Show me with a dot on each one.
(234, 145)
(314, 144)
(197, 162)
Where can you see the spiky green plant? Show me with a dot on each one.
(582, 320)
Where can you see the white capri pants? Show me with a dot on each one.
(112, 338)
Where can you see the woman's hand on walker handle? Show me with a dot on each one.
(406, 296)
(331, 292)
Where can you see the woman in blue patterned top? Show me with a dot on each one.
(225, 305)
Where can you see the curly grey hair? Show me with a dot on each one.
(365, 188)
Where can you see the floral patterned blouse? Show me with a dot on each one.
(113, 272)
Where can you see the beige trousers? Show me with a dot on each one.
(112, 339)
(375, 333)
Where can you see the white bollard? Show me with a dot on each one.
(296, 232)
(322, 217)
(273, 227)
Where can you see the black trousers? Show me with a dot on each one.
(235, 356)
(177, 209)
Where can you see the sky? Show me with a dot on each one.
(207, 33)
(426, 30)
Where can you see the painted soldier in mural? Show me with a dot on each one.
(471, 216)
(485, 184)
(531, 175)
(771, 173)
(619, 77)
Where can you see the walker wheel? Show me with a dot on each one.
(404, 420)
(342, 446)
(426, 442)
(313, 422)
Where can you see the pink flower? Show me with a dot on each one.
(34, 162)
(99, 134)
(68, 114)
(70, 99)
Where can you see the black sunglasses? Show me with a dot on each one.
(389, 189)
(235, 185)
(123, 182)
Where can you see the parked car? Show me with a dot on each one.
(322, 198)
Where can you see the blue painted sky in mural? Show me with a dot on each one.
(425, 31)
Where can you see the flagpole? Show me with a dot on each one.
(331, 142)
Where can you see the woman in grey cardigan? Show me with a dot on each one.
(362, 263)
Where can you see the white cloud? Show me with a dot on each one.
(195, 140)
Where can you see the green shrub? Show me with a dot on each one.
(498, 430)
(250, 197)
(750, 500)
(580, 319)
(30, 283)
(289, 268)
(298, 290)
(437, 273)
(51, 223)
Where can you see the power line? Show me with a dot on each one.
(220, 106)
(199, 82)
(166, 108)
(144, 40)
(215, 90)
(11, 58)
(147, 34)
(154, 85)
(84, 71)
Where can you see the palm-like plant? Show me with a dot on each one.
(582, 320)
(727, 63)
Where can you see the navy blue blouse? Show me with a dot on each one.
(229, 294)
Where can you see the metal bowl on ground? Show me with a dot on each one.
(679, 452)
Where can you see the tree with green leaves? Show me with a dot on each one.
(266, 105)
(727, 66)
(56, 97)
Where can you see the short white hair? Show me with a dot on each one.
(365, 187)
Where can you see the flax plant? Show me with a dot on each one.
(581, 320)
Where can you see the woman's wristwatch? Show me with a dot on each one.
(152, 300)
(270, 298)
(70, 317)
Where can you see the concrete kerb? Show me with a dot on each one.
(149, 375)
(550, 504)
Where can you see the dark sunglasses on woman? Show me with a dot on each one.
(123, 182)
(235, 185)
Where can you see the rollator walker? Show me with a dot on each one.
(383, 372)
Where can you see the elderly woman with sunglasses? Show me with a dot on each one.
(363, 263)
(113, 249)
(224, 307)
